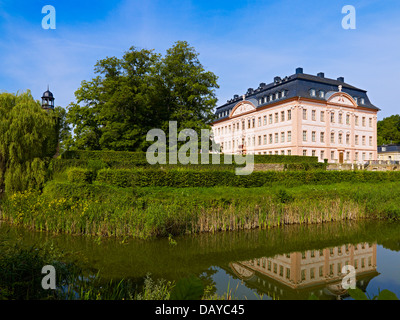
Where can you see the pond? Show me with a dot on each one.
(290, 262)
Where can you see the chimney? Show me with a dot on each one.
(236, 96)
(321, 75)
(262, 85)
(341, 79)
(249, 90)
(299, 71)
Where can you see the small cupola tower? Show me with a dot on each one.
(48, 100)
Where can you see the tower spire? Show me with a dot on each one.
(48, 100)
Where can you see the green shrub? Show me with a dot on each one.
(209, 178)
(74, 191)
(59, 165)
(116, 177)
(96, 165)
(139, 158)
(80, 175)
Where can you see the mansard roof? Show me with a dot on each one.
(389, 148)
(296, 85)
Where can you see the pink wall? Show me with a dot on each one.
(302, 119)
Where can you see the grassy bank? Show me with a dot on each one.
(142, 212)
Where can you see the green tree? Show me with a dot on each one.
(139, 92)
(64, 137)
(389, 130)
(28, 137)
(188, 90)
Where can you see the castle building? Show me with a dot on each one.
(301, 114)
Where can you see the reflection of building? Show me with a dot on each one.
(301, 114)
(313, 271)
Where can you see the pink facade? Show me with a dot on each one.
(337, 129)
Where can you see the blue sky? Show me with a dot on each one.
(242, 42)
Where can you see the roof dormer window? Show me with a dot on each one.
(312, 92)
(322, 94)
(362, 101)
(355, 99)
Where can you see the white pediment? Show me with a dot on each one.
(241, 108)
(343, 99)
(241, 271)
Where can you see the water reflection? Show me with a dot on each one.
(297, 275)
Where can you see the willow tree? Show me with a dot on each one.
(28, 139)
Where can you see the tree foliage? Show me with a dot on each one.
(138, 92)
(389, 130)
(28, 136)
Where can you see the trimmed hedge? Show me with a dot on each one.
(80, 175)
(75, 191)
(60, 165)
(203, 178)
(139, 158)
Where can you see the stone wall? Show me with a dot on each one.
(370, 167)
(269, 166)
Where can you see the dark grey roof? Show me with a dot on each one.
(389, 148)
(47, 94)
(297, 85)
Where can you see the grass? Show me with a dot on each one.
(102, 210)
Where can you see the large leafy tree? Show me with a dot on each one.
(389, 130)
(139, 92)
(28, 137)
(188, 90)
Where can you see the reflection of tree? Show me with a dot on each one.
(207, 278)
(393, 245)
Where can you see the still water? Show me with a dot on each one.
(290, 262)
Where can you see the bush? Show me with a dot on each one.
(58, 165)
(116, 177)
(68, 190)
(139, 158)
(80, 175)
(209, 178)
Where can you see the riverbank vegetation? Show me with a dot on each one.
(101, 197)
(143, 212)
